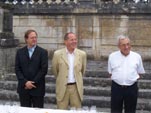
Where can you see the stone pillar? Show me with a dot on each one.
(8, 43)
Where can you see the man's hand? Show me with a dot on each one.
(30, 85)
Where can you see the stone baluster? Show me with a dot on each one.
(23, 2)
(36, 1)
(72, 3)
(15, 2)
(53, 4)
(63, 2)
(44, 2)
(7, 2)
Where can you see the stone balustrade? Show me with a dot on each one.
(67, 6)
(70, 1)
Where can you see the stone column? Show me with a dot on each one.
(8, 43)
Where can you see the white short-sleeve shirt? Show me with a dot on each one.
(125, 70)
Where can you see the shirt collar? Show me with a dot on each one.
(69, 52)
(124, 55)
(32, 48)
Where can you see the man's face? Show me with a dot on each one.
(124, 46)
(71, 42)
(32, 39)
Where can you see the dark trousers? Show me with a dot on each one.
(27, 100)
(123, 95)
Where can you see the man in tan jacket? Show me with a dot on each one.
(69, 65)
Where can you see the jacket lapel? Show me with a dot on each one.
(35, 53)
(64, 56)
(26, 52)
(76, 57)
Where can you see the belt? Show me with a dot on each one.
(125, 86)
(71, 83)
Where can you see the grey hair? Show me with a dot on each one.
(121, 37)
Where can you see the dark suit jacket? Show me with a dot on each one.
(31, 69)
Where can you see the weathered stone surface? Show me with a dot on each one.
(7, 59)
(9, 42)
(96, 91)
(97, 34)
(97, 25)
(96, 87)
(1, 19)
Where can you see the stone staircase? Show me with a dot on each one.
(96, 88)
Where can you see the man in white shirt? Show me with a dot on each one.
(68, 66)
(124, 67)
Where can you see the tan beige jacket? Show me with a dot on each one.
(60, 69)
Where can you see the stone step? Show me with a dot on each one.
(104, 102)
(93, 81)
(106, 91)
(104, 74)
(101, 65)
(98, 101)
(88, 90)
(103, 82)
(89, 73)
(96, 91)
(99, 68)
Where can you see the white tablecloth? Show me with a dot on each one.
(18, 109)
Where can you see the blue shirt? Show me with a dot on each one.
(31, 51)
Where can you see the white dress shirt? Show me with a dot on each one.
(71, 78)
(125, 70)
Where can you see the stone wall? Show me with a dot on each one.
(1, 19)
(7, 60)
(96, 23)
(96, 33)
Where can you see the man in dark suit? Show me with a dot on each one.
(31, 66)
